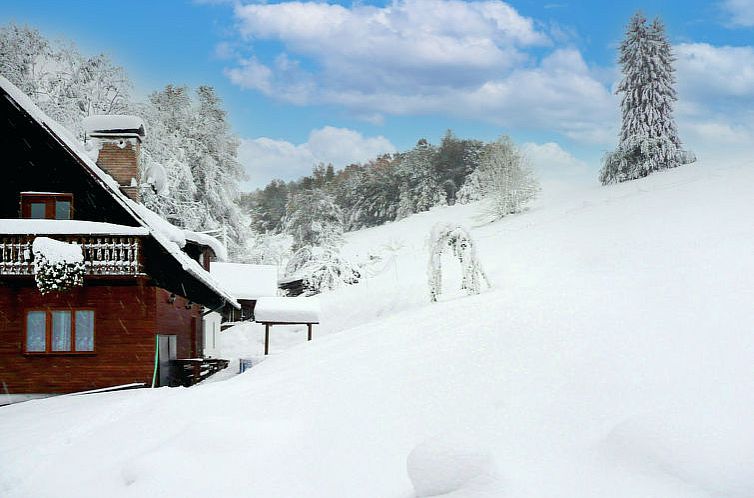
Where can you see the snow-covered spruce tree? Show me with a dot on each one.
(503, 180)
(459, 241)
(420, 190)
(648, 138)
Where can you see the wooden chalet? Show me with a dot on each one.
(146, 283)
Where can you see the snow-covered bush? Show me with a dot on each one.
(322, 269)
(58, 266)
(459, 240)
(503, 180)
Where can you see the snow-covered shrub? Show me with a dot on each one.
(322, 269)
(58, 266)
(459, 240)
(503, 180)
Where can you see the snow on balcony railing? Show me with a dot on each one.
(103, 255)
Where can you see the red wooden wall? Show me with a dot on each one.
(128, 314)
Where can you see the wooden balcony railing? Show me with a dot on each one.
(103, 255)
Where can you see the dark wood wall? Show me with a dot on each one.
(128, 315)
(32, 160)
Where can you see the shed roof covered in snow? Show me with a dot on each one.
(287, 310)
(246, 281)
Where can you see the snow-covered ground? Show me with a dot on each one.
(612, 358)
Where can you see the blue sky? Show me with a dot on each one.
(307, 82)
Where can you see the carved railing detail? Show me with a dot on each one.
(103, 254)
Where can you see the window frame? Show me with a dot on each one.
(48, 332)
(49, 199)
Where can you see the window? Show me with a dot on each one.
(46, 206)
(60, 331)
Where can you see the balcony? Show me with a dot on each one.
(104, 254)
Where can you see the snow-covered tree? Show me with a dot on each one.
(190, 138)
(503, 180)
(648, 138)
(265, 249)
(64, 83)
(459, 241)
(314, 219)
(322, 269)
(420, 189)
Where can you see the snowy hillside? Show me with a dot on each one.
(611, 358)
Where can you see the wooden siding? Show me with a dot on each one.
(128, 315)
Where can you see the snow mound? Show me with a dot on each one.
(669, 439)
(447, 464)
(56, 251)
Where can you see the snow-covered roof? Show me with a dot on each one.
(207, 240)
(112, 123)
(168, 236)
(247, 281)
(66, 227)
(287, 310)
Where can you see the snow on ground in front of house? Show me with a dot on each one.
(611, 358)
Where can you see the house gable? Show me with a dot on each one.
(39, 156)
(32, 160)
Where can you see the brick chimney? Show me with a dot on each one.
(118, 139)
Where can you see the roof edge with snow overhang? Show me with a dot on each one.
(141, 214)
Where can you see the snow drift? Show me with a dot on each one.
(612, 357)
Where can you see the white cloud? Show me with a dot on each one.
(559, 172)
(741, 12)
(706, 72)
(550, 159)
(265, 158)
(469, 59)
(716, 95)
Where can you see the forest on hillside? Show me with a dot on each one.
(191, 145)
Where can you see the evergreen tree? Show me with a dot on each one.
(648, 137)
(420, 189)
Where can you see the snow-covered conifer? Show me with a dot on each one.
(648, 138)
(420, 188)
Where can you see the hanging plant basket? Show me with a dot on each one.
(58, 266)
